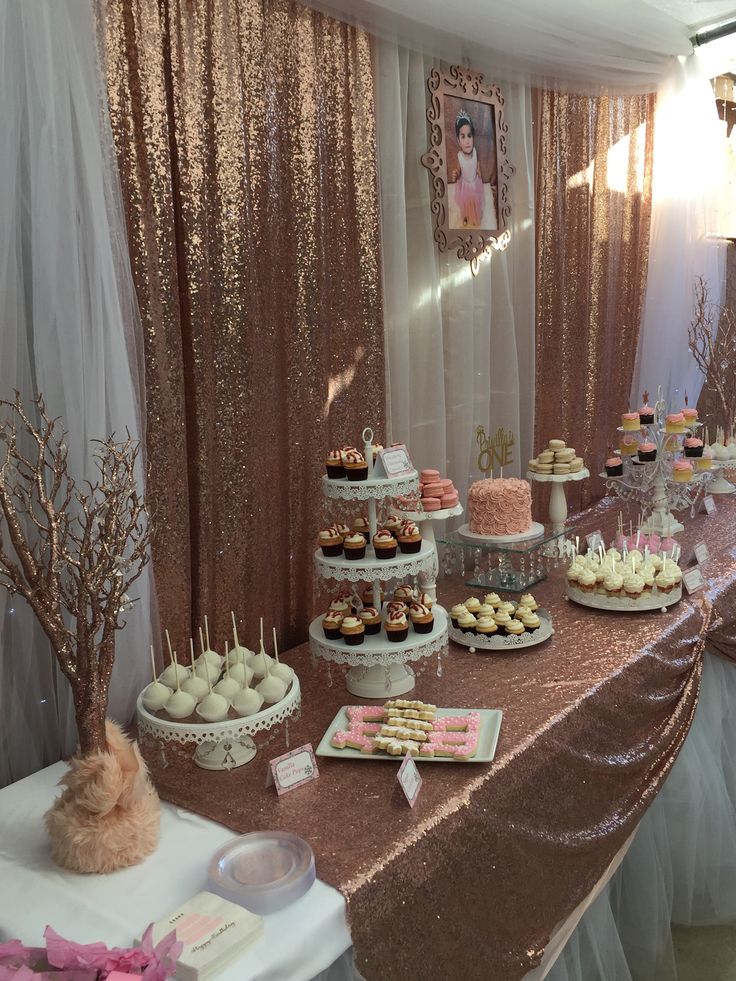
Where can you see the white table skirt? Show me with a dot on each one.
(298, 943)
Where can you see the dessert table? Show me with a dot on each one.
(492, 858)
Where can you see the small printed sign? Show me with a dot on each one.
(594, 540)
(293, 769)
(396, 461)
(409, 779)
(693, 579)
(701, 552)
(709, 504)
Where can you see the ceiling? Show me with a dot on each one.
(696, 14)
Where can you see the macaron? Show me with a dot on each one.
(450, 500)
(447, 485)
(431, 504)
(557, 444)
(429, 476)
(432, 490)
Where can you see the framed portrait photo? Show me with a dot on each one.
(467, 161)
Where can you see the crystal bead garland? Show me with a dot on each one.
(439, 663)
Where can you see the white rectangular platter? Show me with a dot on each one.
(490, 726)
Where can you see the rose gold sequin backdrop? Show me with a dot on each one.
(246, 144)
(594, 168)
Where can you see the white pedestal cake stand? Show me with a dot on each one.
(220, 745)
(428, 578)
(720, 484)
(534, 531)
(378, 666)
(557, 497)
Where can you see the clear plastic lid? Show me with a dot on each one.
(263, 871)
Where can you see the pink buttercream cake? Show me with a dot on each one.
(500, 507)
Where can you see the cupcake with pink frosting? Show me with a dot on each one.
(682, 471)
(646, 412)
(693, 446)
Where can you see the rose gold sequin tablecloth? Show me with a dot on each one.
(471, 882)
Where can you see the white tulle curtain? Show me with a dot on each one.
(67, 326)
(459, 348)
(688, 181)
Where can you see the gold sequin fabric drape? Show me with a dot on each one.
(246, 143)
(594, 172)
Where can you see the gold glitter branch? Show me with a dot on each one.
(72, 554)
(715, 358)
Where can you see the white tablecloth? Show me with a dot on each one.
(298, 943)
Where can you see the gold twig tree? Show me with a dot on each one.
(715, 355)
(72, 553)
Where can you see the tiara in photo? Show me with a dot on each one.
(463, 118)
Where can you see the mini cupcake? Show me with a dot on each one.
(531, 622)
(472, 605)
(528, 600)
(376, 447)
(397, 627)
(614, 466)
(633, 585)
(514, 628)
(333, 465)
(361, 524)
(369, 599)
(330, 541)
(648, 575)
(354, 546)
(613, 583)
(371, 619)
(704, 462)
(630, 422)
(647, 452)
(628, 445)
(393, 523)
(405, 592)
(492, 599)
(426, 600)
(664, 582)
(486, 627)
(573, 574)
(501, 619)
(682, 471)
(693, 446)
(397, 606)
(690, 415)
(586, 580)
(457, 610)
(646, 412)
(353, 631)
(384, 544)
(506, 607)
(421, 618)
(340, 605)
(675, 423)
(485, 610)
(343, 530)
(355, 466)
(466, 622)
(331, 622)
(409, 538)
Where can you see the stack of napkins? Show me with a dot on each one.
(214, 933)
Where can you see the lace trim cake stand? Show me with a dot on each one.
(654, 601)
(506, 644)
(720, 484)
(426, 519)
(378, 667)
(220, 745)
(557, 497)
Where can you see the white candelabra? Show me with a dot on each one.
(652, 484)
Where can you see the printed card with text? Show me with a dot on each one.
(293, 769)
(693, 579)
(709, 504)
(701, 553)
(395, 461)
(409, 779)
(594, 541)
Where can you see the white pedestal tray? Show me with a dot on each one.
(505, 644)
(220, 745)
(378, 666)
(557, 497)
(623, 604)
(720, 484)
(534, 531)
(428, 578)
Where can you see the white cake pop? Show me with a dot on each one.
(228, 687)
(212, 657)
(207, 671)
(272, 688)
(175, 673)
(194, 685)
(181, 704)
(279, 670)
(260, 662)
(156, 695)
(238, 654)
(242, 674)
(213, 707)
(247, 702)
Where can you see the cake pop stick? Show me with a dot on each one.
(207, 632)
(168, 642)
(153, 665)
(201, 642)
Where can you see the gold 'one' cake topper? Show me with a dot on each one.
(494, 449)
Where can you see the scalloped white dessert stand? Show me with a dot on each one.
(378, 666)
(557, 497)
(221, 745)
(720, 484)
(624, 604)
(506, 644)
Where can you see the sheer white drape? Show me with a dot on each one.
(619, 45)
(459, 348)
(688, 178)
(681, 866)
(67, 325)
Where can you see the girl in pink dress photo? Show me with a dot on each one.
(469, 192)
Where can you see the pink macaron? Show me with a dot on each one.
(447, 484)
(431, 503)
(432, 490)
(450, 500)
(429, 476)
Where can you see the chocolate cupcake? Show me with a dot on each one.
(467, 623)
(355, 466)
(384, 544)
(397, 627)
(693, 446)
(354, 546)
(647, 452)
(353, 631)
(455, 613)
(614, 467)
(421, 618)
(331, 624)
(333, 465)
(371, 619)
(409, 538)
(330, 541)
